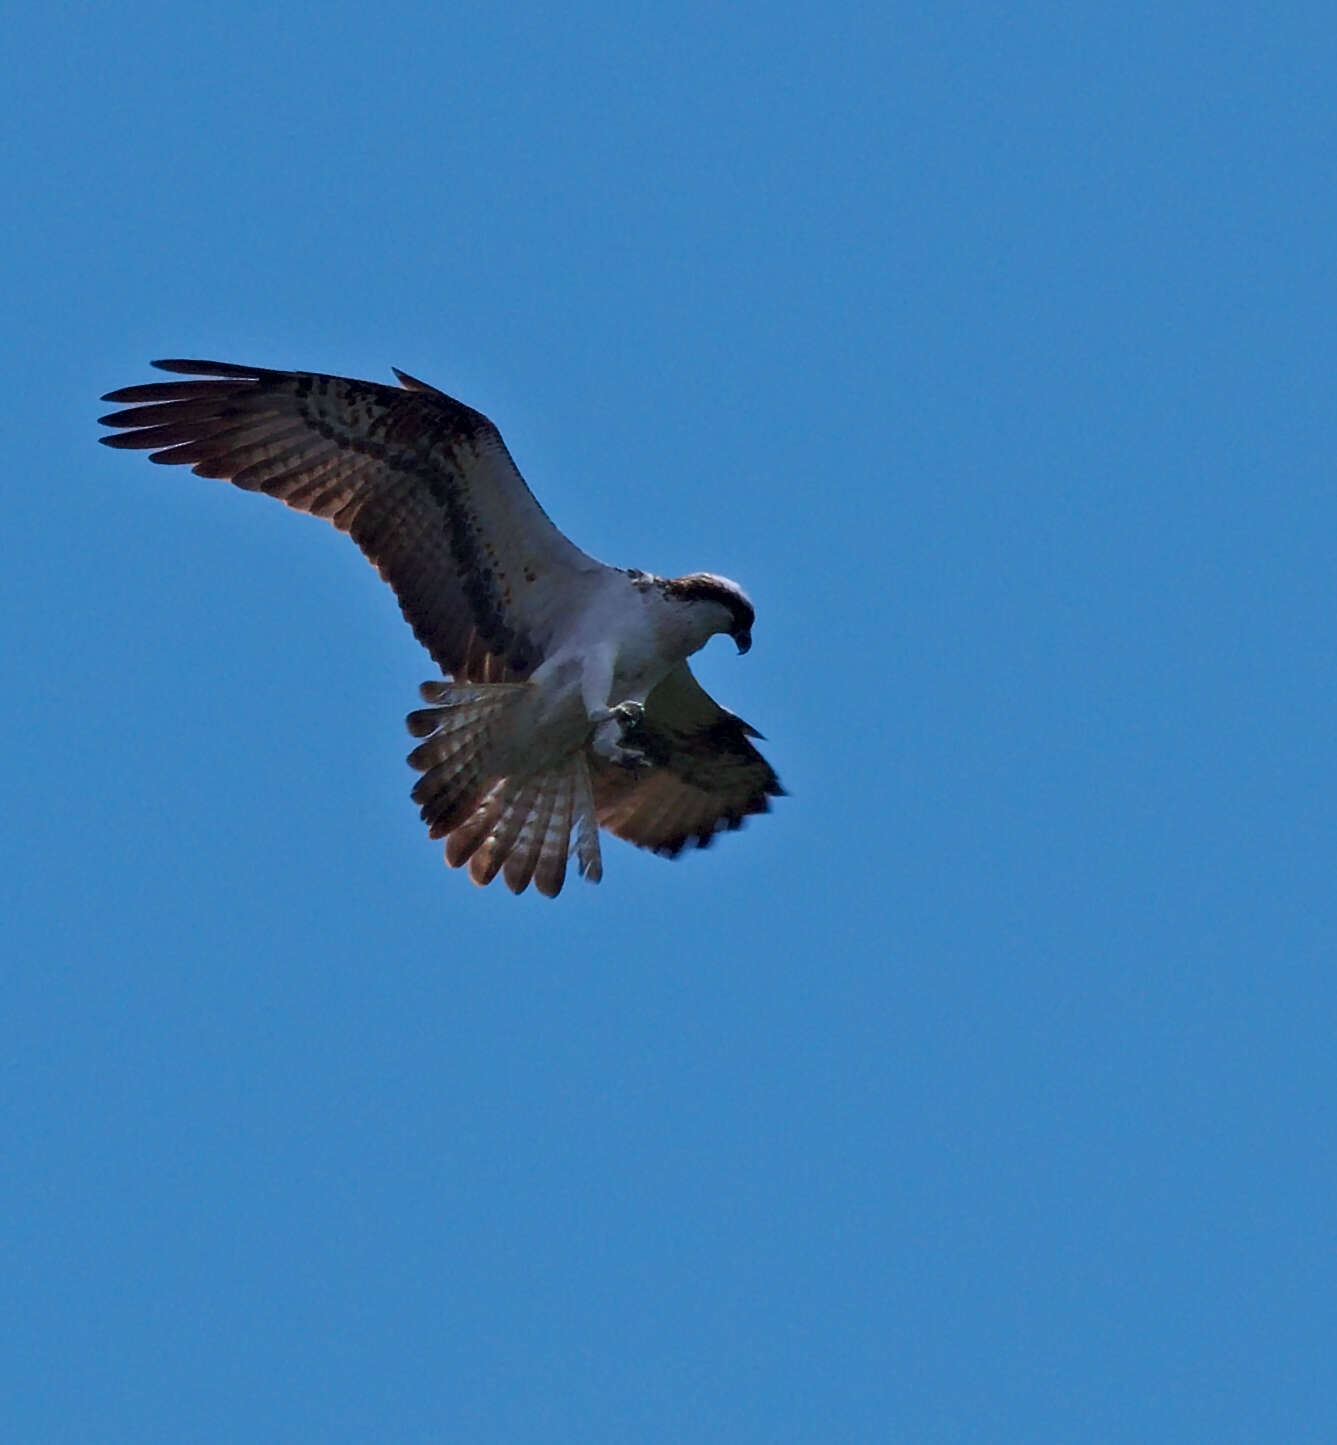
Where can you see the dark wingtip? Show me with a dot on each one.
(185, 368)
(158, 390)
(411, 383)
(209, 368)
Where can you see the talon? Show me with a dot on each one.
(610, 735)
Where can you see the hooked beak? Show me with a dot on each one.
(744, 641)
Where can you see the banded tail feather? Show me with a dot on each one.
(518, 826)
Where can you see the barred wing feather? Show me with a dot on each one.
(705, 776)
(421, 482)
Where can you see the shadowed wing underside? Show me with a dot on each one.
(705, 776)
(422, 483)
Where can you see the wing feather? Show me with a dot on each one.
(550, 867)
(704, 776)
(519, 869)
(422, 483)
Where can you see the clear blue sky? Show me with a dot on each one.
(985, 1091)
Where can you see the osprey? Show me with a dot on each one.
(568, 703)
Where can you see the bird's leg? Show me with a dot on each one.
(613, 727)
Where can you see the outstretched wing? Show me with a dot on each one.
(422, 483)
(704, 775)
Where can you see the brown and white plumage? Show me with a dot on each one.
(541, 641)
(705, 777)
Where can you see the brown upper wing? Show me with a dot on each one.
(422, 483)
(704, 775)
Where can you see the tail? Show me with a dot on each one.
(518, 824)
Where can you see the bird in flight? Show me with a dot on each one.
(567, 703)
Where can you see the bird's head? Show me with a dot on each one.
(722, 604)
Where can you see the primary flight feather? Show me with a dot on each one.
(569, 703)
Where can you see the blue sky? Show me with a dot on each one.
(983, 1091)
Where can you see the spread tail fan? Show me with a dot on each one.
(522, 826)
(464, 734)
(517, 826)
